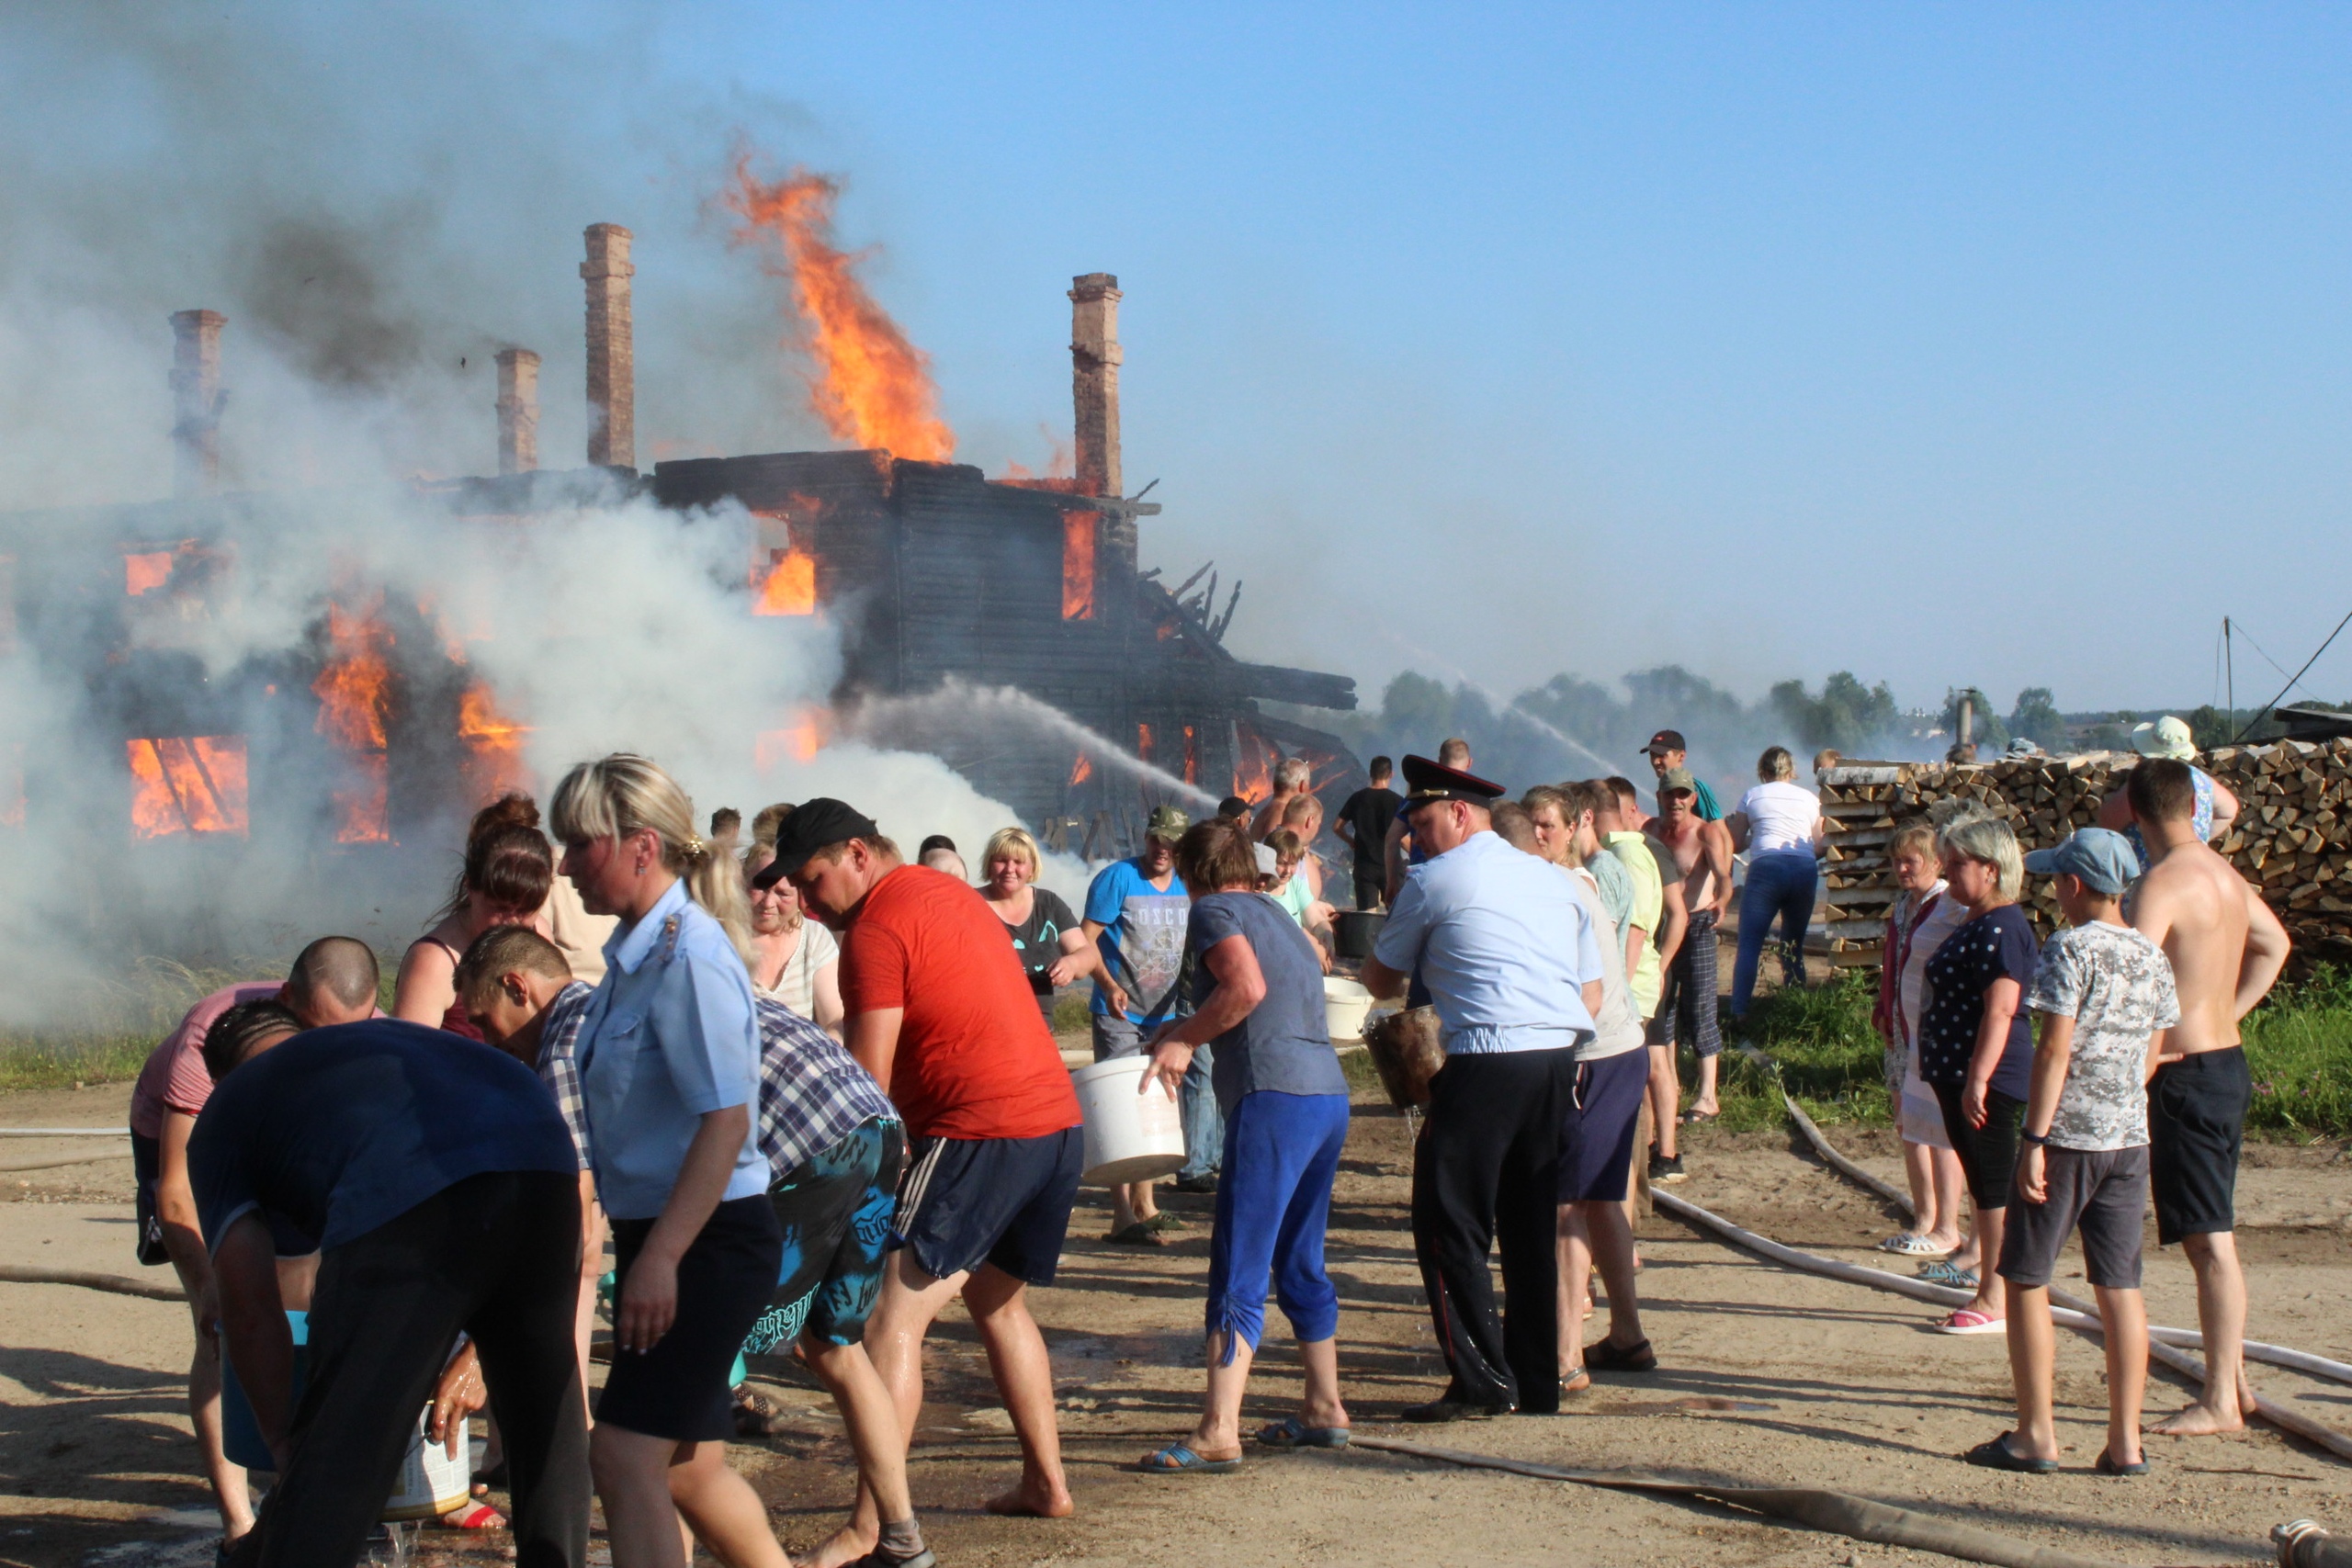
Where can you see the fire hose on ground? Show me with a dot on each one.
(1836, 1513)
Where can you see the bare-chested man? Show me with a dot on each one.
(2226, 949)
(1686, 1009)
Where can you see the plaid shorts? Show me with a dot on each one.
(1686, 1001)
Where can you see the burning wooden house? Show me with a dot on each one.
(937, 578)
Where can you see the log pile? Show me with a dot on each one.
(2293, 837)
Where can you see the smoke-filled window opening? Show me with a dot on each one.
(1080, 530)
(784, 570)
(187, 784)
(1145, 746)
(354, 694)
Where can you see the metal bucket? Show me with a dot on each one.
(1356, 930)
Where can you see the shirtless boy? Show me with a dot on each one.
(2226, 949)
(1685, 1011)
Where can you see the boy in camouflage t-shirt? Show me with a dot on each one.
(2105, 993)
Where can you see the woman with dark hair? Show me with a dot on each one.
(1258, 997)
(508, 869)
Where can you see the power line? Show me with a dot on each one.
(2297, 674)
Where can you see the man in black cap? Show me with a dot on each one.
(1666, 752)
(1513, 966)
(941, 1014)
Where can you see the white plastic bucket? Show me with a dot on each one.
(431, 1483)
(1129, 1137)
(1345, 1005)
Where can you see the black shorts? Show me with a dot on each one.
(2197, 1108)
(678, 1390)
(965, 1201)
(2102, 1192)
(1597, 1143)
(1988, 1155)
(834, 1214)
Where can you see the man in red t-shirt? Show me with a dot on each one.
(940, 1012)
(333, 981)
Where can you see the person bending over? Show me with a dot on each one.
(438, 1184)
(942, 1017)
(333, 981)
(1258, 993)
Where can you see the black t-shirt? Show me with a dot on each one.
(1996, 946)
(341, 1128)
(1037, 941)
(1369, 812)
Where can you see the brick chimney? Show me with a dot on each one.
(518, 411)
(1094, 382)
(196, 401)
(612, 357)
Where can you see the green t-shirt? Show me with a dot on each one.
(1632, 851)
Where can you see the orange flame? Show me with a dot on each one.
(1253, 778)
(872, 386)
(353, 692)
(146, 570)
(800, 740)
(1191, 756)
(493, 744)
(790, 587)
(1078, 565)
(1143, 741)
(1082, 771)
(187, 784)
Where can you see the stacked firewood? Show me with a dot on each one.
(2293, 837)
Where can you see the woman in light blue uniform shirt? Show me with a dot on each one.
(669, 1068)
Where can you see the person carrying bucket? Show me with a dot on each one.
(1258, 993)
(941, 1014)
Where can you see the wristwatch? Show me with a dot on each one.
(2036, 1139)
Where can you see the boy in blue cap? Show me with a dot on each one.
(2104, 994)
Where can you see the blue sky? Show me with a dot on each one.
(1947, 345)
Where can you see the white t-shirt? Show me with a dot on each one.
(797, 986)
(1780, 818)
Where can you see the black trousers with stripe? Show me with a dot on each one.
(1486, 1173)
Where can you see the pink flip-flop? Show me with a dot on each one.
(1968, 1320)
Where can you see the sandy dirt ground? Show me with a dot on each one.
(1769, 1377)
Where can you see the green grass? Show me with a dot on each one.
(2297, 1043)
(122, 1021)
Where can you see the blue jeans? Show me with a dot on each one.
(1272, 1210)
(1204, 1128)
(1780, 887)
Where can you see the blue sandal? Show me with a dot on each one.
(1946, 1272)
(1178, 1459)
(1290, 1432)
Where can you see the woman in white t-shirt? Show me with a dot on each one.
(1779, 823)
(795, 960)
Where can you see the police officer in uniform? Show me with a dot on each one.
(1512, 964)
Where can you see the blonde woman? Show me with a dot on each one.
(795, 961)
(1923, 916)
(1047, 935)
(668, 1054)
(1976, 1045)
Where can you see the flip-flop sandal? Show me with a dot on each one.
(1968, 1320)
(1948, 1273)
(1909, 1245)
(1576, 1382)
(1140, 1234)
(2105, 1465)
(1998, 1455)
(1601, 1356)
(1290, 1432)
(481, 1516)
(1692, 1118)
(1178, 1459)
(1163, 1221)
